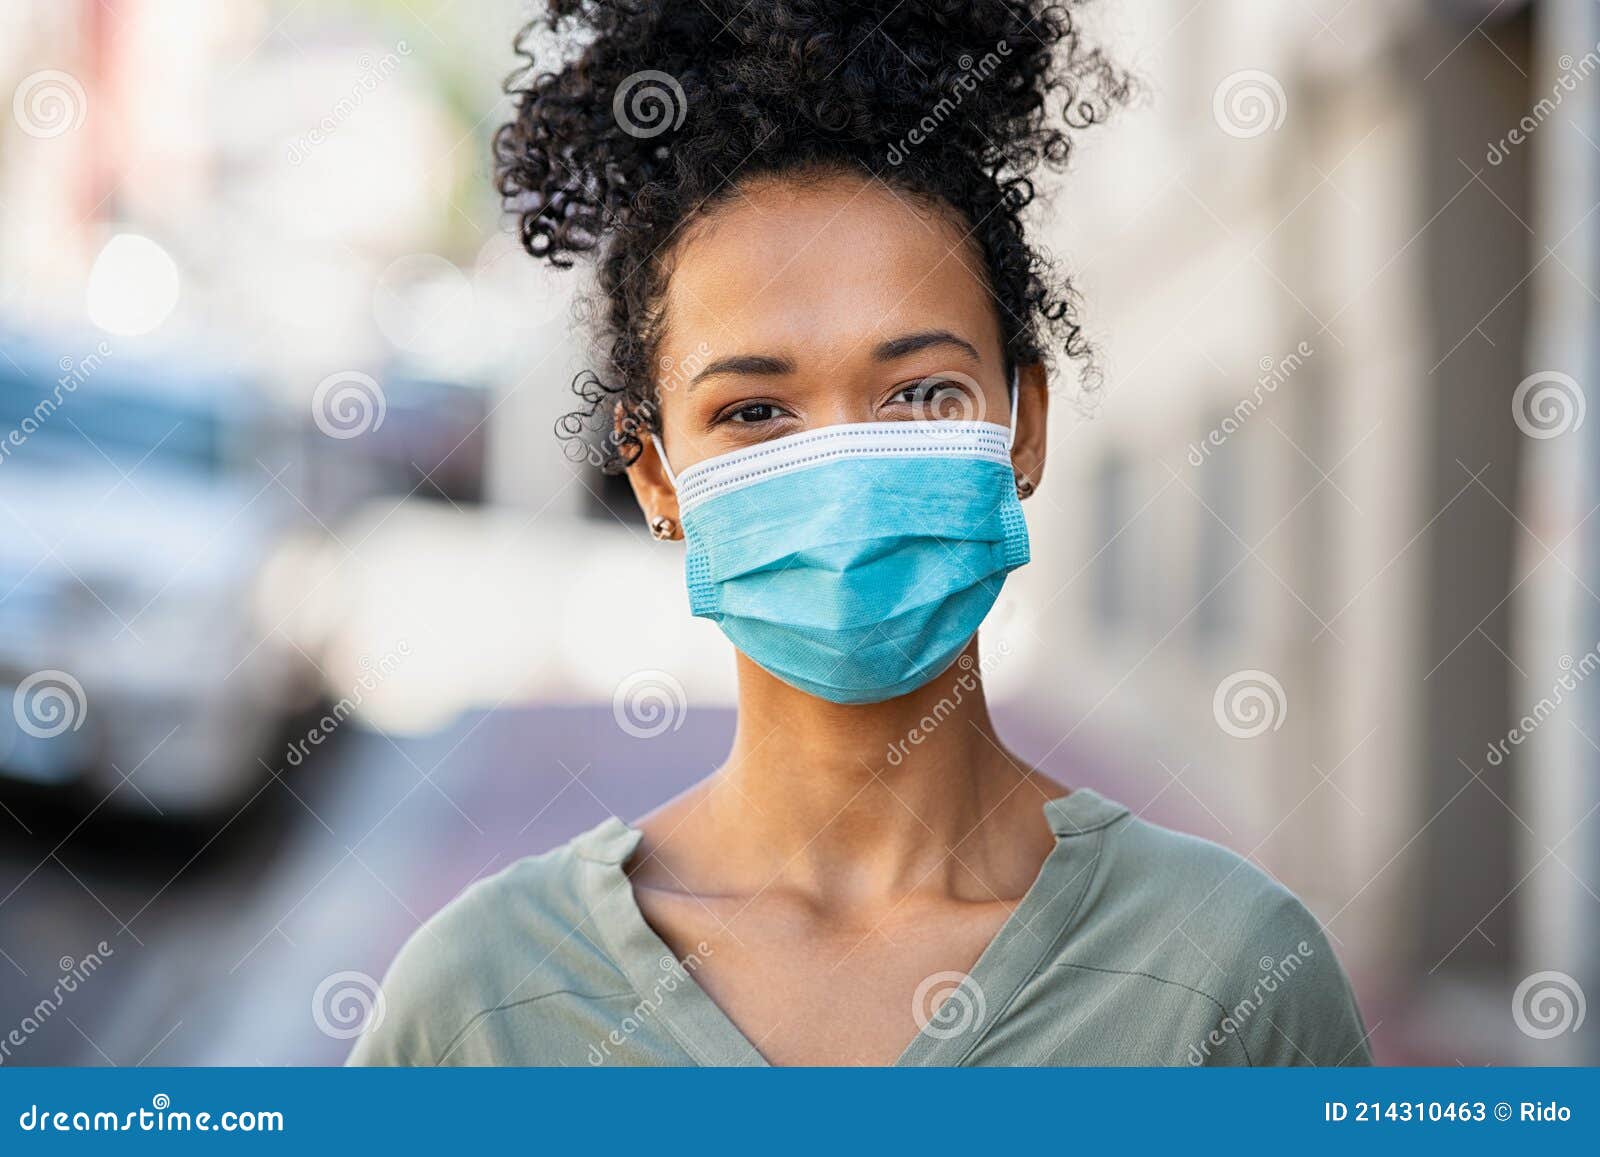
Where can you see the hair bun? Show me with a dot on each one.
(738, 84)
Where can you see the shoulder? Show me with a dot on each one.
(1185, 874)
(508, 939)
(1195, 914)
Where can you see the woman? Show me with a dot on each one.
(826, 371)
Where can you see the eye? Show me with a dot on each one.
(751, 413)
(936, 399)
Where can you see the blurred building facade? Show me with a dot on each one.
(1310, 478)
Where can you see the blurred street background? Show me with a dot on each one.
(306, 621)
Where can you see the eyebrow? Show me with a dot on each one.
(899, 347)
(761, 365)
(767, 365)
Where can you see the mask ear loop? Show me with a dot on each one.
(661, 452)
(1011, 439)
(1024, 483)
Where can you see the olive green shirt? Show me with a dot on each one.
(1135, 946)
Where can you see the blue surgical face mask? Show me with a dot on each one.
(854, 562)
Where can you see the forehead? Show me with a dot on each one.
(823, 268)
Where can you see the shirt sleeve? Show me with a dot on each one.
(1297, 1007)
(421, 1012)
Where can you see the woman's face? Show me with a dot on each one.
(801, 304)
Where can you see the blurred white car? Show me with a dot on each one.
(138, 513)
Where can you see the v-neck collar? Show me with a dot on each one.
(1028, 939)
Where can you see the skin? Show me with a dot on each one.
(827, 882)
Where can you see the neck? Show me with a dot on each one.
(899, 791)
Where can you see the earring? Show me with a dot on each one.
(1025, 486)
(663, 528)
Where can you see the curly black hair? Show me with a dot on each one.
(669, 103)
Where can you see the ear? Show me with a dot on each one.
(1033, 410)
(652, 489)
